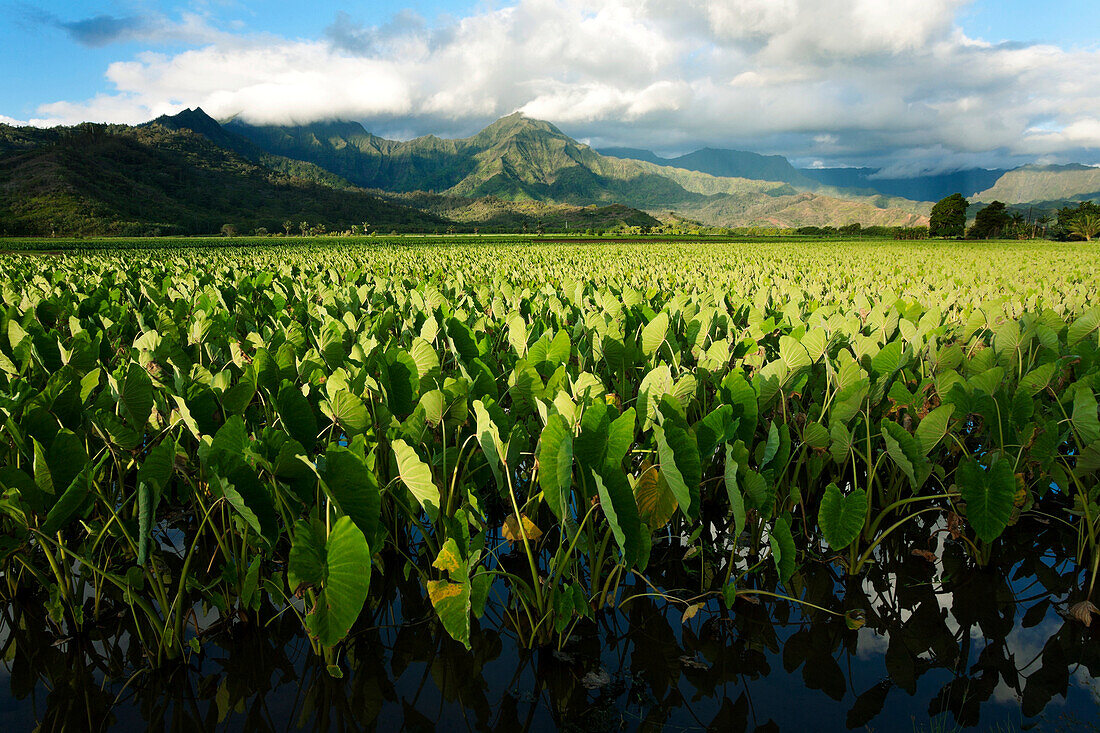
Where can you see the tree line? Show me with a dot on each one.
(996, 221)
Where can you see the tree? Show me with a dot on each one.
(304, 228)
(288, 225)
(1072, 221)
(948, 217)
(1086, 226)
(228, 230)
(990, 222)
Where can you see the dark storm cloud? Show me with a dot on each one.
(102, 30)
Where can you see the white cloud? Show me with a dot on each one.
(33, 122)
(839, 80)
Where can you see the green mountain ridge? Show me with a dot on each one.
(722, 163)
(1044, 184)
(113, 179)
(199, 122)
(520, 159)
(491, 214)
(187, 174)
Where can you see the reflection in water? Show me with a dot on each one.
(944, 645)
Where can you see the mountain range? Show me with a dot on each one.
(188, 173)
(521, 159)
(1049, 185)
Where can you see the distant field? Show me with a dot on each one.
(947, 275)
(46, 244)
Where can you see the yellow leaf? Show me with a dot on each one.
(448, 558)
(1082, 611)
(855, 619)
(690, 611)
(512, 531)
(656, 504)
(441, 590)
(1020, 498)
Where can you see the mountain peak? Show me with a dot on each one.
(515, 124)
(188, 118)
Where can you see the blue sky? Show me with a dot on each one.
(44, 61)
(668, 74)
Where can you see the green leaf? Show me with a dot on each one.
(841, 517)
(69, 505)
(153, 477)
(424, 356)
(297, 415)
(488, 436)
(653, 335)
(238, 503)
(620, 436)
(889, 359)
(590, 446)
(840, 442)
(462, 339)
(771, 446)
(43, 479)
(816, 435)
(794, 355)
(354, 488)
(349, 412)
(742, 397)
(989, 495)
(145, 521)
(156, 469)
(339, 567)
(66, 457)
(306, 563)
(417, 477)
(517, 334)
(560, 349)
(136, 398)
(251, 583)
(237, 398)
(933, 427)
(714, 429)
(618, 505)
(783, 551)
(231, 438)
(1006, 339)
(556, 465)
(1084, 415)
(258, 499)
(759, 494)
(679, 456)
(737, 502)
(657, 383)
(452, 603)
(905, 450)
(480, 585)
(1083, 326)
(402, 382)
(1038, 378)
(331, 342)
(848, 401)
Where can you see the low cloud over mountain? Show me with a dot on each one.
(839, 81)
